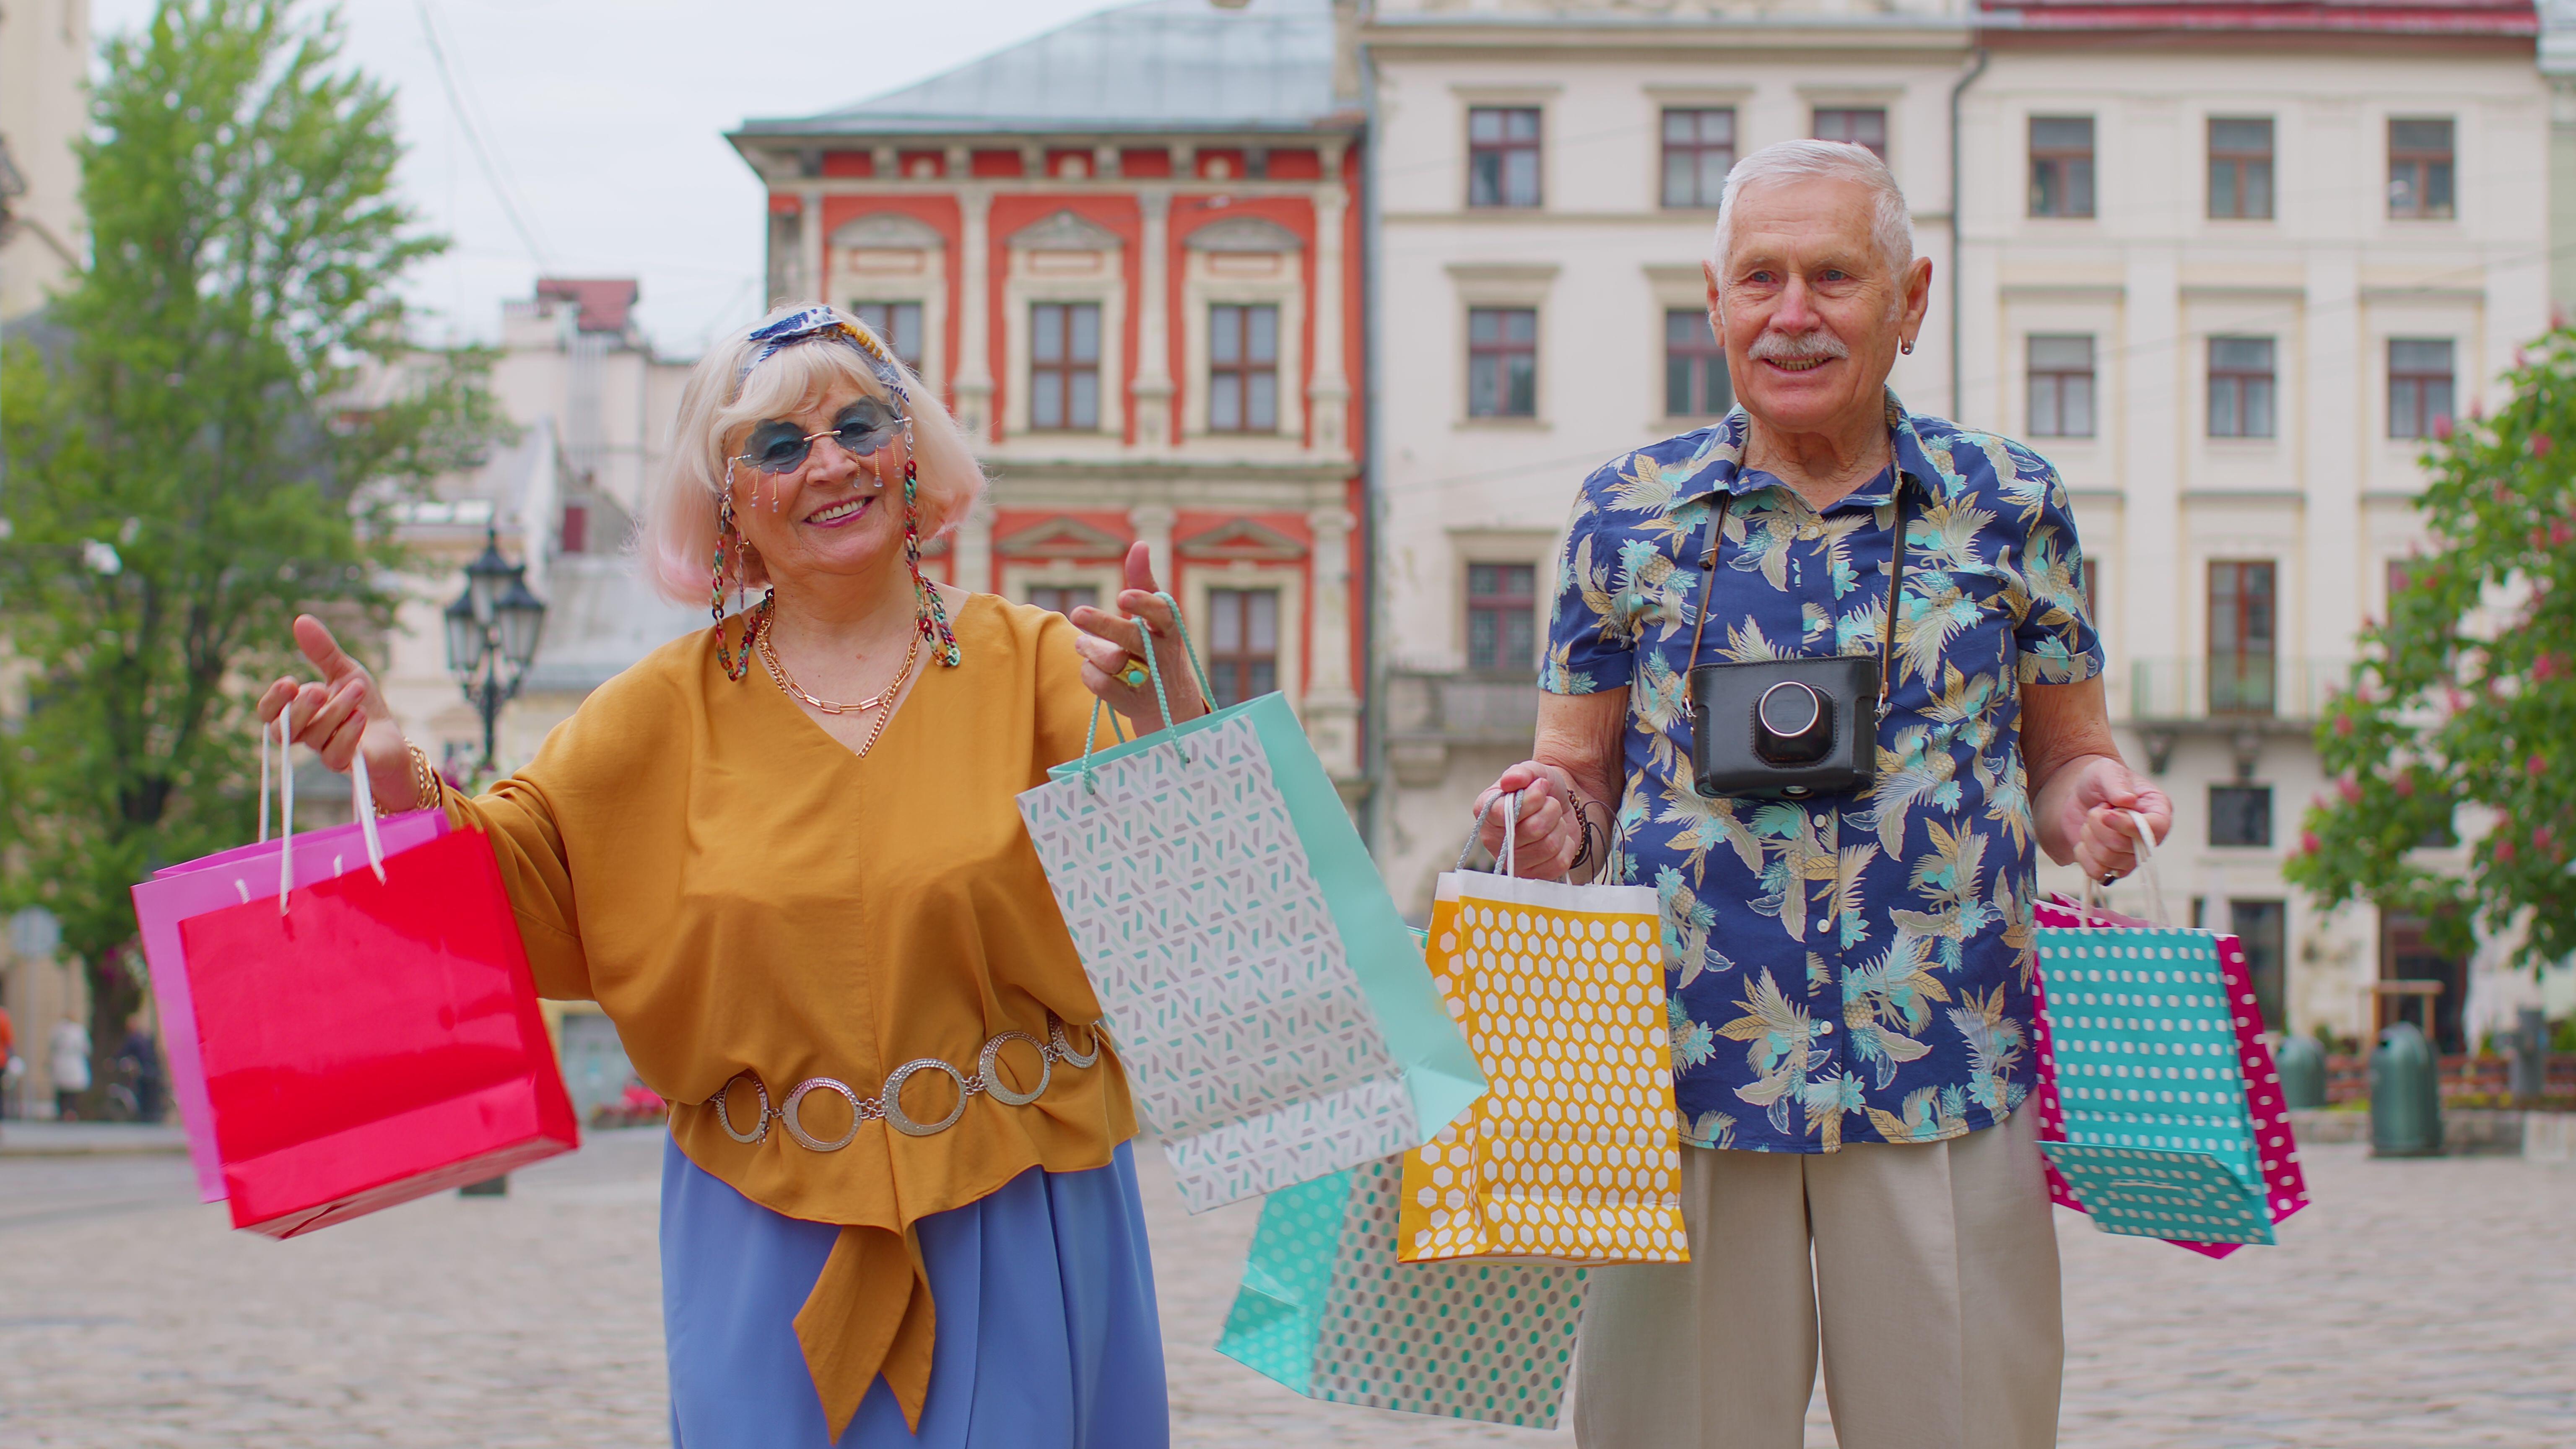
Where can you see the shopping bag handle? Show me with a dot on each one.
(1507, 859)
(1162, 698)
(362, 803)
(2095, 892)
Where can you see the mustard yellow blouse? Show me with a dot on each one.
(740, 893)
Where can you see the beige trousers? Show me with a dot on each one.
(1932, 1285)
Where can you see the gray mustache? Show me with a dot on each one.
(1796, 347)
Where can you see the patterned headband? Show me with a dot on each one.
(822, 323)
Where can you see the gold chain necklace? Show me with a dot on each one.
(882, 700)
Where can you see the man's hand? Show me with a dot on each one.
(2091, 803)
(1548, 835)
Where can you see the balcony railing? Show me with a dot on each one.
(2248, 687)
(1462, 709)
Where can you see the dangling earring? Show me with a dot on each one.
(734, 668)
(929, 613)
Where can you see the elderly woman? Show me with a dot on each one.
(784, 856)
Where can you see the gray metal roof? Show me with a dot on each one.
(1158, 66)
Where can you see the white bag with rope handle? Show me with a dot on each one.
(1268, 1005)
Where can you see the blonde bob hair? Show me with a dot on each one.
(678, 538)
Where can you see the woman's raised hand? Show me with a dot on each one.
(1549, 833)
(342, 714)
(1111, 643)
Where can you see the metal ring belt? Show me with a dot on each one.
(887, 1105)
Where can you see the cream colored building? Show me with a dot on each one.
(2227, 384)
(2305, 248)
(44, 62)
(594, 406)
(44, 55)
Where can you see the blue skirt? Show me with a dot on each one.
(1047, 1333)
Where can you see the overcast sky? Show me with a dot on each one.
(605, 120)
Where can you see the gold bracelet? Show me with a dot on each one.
(425, 791)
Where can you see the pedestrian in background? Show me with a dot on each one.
(70, 1051)
(1851, 963)
(140, 1063)
(785, 856)
(10, 1070)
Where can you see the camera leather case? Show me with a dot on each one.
(1822, 734)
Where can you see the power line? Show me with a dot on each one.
(474, 135)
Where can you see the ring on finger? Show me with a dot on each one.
(1133, 676)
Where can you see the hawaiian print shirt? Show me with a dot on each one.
(1853, 968)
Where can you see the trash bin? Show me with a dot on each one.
(2302, 1064)
(2405, 1095)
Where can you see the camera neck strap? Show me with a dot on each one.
(1895, 581)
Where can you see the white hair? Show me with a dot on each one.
(1891, 224)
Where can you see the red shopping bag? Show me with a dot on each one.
(369, 1041)
(213, 883)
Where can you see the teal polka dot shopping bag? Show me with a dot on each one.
(2161, 1112)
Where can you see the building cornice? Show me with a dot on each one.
(1598, 36)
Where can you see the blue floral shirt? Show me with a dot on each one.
(1854, 968)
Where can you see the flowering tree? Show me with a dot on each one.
(2466, 696)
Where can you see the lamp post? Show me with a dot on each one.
(492, 631)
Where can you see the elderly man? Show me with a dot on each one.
(1850, 954)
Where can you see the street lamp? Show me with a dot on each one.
(492, 631)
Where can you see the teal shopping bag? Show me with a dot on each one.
(1327, 1310)
(1272, 1011)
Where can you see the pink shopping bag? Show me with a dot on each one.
(2285, 1185)
(230, 878)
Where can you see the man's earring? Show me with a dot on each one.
(1906, 347)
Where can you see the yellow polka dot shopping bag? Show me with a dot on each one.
(1573, 1152)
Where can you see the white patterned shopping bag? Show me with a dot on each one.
(1273, 1013)
(1327, 1310)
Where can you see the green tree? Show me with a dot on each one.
(221, 415)
(2466, 696)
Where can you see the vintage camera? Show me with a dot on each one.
(1790, 728)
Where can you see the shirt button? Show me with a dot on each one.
(1824, 923)
(1824, 1028)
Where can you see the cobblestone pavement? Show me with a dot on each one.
(2419, 1304)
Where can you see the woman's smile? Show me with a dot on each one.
(836, 515)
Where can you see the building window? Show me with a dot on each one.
(1502, 156)
(2419, 386)
(2240, 815)
(1695, 381)
(1064, 366)
(2263, 928)
(897, 325)
(1699, 149)
(1064, 598)
(2061, 386)
(1243, 639)
(2240, 168)
(2420, 168)
(1502, 618)
(2242, 623)
(2240, 387)
(575, 537)
(2088, 577)
(1502, 362)
(1243, 369)
(2061, 165)
(1861, 127)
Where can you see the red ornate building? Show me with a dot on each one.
(1127, 252)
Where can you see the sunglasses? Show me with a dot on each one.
(776, 446)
